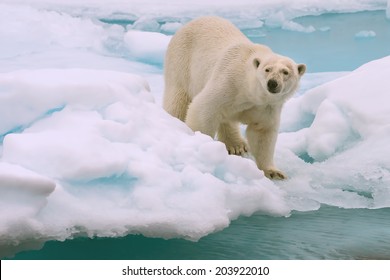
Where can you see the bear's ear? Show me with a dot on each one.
(301, 69)
(256, 62)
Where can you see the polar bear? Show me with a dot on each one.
(216, 78)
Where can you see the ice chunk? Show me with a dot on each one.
(23, 194)
(327, 134)
(324, 28)
(14, 178)
(294, 26)
(147, 46)
(46, 30)
(365, 34)
(349, 136)
(279, 20)
(355, 100)
(171, 27)
(70, 151)
(388, 9)
(248, 23)
(146, 24)
(64, 104)
(20, 106)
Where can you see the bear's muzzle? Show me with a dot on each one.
(273, 86)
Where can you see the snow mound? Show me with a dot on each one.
(347, 140)
(46, 30)
(121, 163)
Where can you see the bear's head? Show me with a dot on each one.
(279, 76)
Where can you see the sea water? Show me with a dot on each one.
(353, 39)
(326, 232)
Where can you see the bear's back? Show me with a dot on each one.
(196, 48)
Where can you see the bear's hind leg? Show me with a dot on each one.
(176, 102)
(229, 133)
(202, 115)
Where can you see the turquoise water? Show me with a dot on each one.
(327, 233)
(335, 48)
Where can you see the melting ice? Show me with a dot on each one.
(86, 148)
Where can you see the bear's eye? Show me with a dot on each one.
(285, 72)
(267, 70)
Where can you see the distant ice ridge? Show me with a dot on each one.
(55, 38)
(168, 16)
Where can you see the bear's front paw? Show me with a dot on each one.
(237, 149)
(275, 174)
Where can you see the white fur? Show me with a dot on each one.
(216, 78)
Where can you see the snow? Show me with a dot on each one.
(146, 24)
(365, 34)
(145, 172)
(151, 15)
(388, 9)
(348, 138)
(279, 20)
(86, 149)
(147, 46)
(171, 27)
(64, 31)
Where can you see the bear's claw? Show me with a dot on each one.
(239, 149)
(275, 174)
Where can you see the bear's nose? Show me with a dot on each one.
(272, 86)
